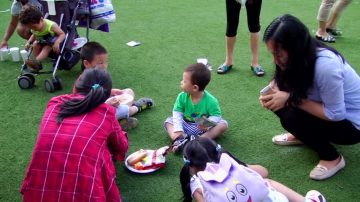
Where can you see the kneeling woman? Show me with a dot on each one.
(315, 93)
(78, 140)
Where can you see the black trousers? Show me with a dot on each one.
(317, 133)
(253, 8)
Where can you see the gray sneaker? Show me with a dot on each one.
(144, 103)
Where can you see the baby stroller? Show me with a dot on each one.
(71, 12)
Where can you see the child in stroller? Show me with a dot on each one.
(65, 55)
(46, 36)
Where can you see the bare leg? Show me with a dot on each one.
(44, 53)
(289, 193)
(36, 49)
(170, 129)
(230, 45)
(323, 15)
(254, 45)
(216, 131)
(133, 110)
(260, 169)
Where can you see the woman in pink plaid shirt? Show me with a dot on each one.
(78, 140)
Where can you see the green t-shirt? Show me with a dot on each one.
(208, 106)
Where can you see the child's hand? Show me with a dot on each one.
(203, 127)
(56, 48)
(27, 46)
(113, 101)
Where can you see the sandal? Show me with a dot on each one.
(327, 39)
(258, 71)
(224, 68)
(33, 65)
(321, 172)
(334, 31)
(283, 140)
(179, 143)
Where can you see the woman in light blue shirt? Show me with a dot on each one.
(315, 93)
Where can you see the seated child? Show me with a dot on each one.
(46, 36)
(193, 104)
(93, 54)
(211, 174)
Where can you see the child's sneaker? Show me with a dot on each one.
(129, 123)
(144, 103)
(314, 196)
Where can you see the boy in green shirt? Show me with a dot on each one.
(196, 112)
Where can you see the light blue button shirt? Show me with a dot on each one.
(337, 86)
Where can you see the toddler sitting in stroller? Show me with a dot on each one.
(46, 36)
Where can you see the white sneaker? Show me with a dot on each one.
(314, 196)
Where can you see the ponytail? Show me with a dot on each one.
(95, 85)
(185, 183)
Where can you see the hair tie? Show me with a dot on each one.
(218, 148)
(186, 161)
(95, 86)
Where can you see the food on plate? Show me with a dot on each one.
(139, 166)
(137, 157)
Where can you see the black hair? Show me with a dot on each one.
(90, 50)
(30, 15)
(291, 35)
(200, 75)
(197, 153)
(95, 85)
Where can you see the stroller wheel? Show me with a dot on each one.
(49, 86)
(31, 77)
(26, 81)
(57, 83)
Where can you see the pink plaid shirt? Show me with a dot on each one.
(72, 160)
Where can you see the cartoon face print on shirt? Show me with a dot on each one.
(238, 193)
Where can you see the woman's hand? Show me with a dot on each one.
(274, 101)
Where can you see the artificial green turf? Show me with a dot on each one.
(173, 34)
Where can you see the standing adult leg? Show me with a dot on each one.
(339, 6)
(323, 15)
(232, 19)
(253, 9)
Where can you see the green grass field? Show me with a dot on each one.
(173, 34)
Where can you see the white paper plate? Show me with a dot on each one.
(79, 42)
(131, 168)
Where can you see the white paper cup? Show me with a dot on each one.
(14, 52)
(24, 55)
(4, 54)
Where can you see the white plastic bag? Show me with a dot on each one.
(102, 12)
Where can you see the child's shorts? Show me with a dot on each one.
(48, 41)
(191, 128)
(122, 111)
